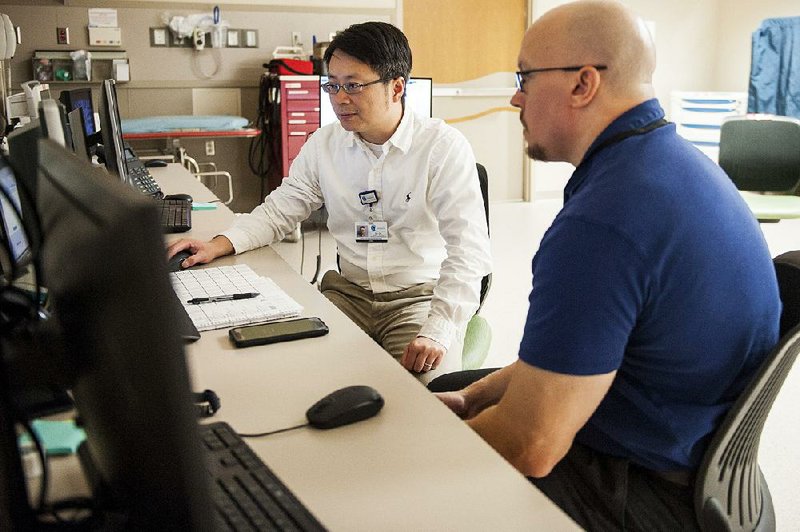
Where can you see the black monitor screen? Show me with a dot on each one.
(79, 143)
(81, 99)
(103, 258)
(111, 130)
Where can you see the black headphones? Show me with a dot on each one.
(206, 403)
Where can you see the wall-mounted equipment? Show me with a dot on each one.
(80, 66)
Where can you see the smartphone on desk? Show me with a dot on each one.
(277, 331)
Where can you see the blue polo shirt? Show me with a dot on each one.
(654, 268)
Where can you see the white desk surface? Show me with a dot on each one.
(415, 466)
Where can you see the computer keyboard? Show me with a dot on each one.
(246, 494)
(176, 215)
(272, 303)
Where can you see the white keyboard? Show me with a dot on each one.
(272, 303)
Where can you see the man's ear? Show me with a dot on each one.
(398, 86)
(587, 82)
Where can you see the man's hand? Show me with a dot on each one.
(422, 355)
(455, 401)
(202, 252)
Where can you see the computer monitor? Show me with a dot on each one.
(23, 154)
(76, 131)
(11, 229)
(111, 131)
(103, 257)
(81, 99)
(53, 121)
(419, 98)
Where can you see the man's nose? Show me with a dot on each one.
(340, 97)
(517, 99)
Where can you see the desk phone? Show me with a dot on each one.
(138, 175)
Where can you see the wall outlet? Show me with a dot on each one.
(198, 39)
(250, 38)
(62, 35)
(159, 37)
(234, 38)
(210, 148)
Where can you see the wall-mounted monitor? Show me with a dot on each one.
(419, 98)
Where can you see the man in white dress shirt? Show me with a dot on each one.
(404, 206)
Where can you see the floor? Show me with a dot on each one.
(516, 231)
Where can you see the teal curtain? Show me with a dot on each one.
(775, 68)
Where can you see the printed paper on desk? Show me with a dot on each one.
(272, 303)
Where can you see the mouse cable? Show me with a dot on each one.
(261, 434)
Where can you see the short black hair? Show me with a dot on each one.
(380, 45)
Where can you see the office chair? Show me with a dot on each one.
(787, 268)
(730, 491)
(761, 155)
(478, 335)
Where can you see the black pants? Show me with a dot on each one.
(602, 492)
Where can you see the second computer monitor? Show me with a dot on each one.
(81, 99)
(419, 98)
(111, 129)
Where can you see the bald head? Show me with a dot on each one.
(600, 33)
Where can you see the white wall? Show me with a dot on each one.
(737, 22)
(700, 46)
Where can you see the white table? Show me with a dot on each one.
(415, 466)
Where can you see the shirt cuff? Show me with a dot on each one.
(238, 239)
(438, 330)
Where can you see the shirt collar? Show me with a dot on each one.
(634, 118)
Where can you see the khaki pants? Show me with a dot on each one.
(392, 319)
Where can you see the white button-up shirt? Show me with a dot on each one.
(428, 194)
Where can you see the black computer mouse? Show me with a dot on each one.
(186, 197)
(345, 406)
(155, 163)
(175, 261)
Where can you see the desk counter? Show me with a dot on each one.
(415, 466)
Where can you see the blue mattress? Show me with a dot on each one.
(159, 124)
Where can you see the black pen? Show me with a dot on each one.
(229, 297)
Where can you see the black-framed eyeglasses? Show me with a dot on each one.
(349, 88)
(522, 76)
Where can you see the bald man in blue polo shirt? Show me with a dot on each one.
(654, 297)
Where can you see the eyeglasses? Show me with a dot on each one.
(349, 88)
(522, 76)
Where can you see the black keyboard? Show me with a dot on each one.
(176, 215)
(246, 494)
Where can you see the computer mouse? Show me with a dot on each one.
(155, 163)
(345, 406)
(186, 197)
(175, 261)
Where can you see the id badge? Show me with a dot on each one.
(372, 232)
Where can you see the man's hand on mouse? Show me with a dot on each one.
(422, 355)
(202, 252)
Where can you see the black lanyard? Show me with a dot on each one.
(619, 137)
